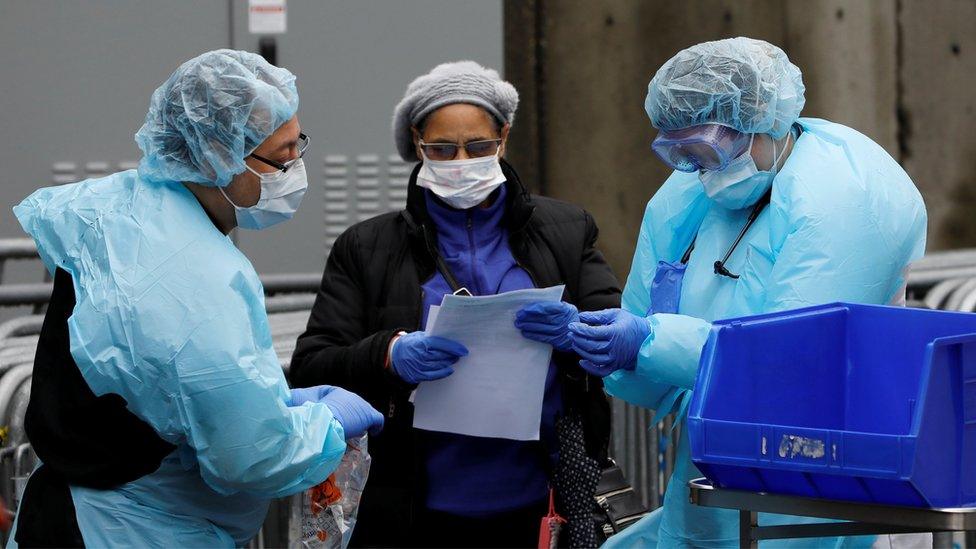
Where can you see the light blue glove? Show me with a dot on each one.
(352, 412)
(418, 357)
(609, 340)
(548, 322)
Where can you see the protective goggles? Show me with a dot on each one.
(707, 147)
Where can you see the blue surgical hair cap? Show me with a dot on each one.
(746, 84)
(212, 113)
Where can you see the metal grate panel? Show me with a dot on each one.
(359, 188)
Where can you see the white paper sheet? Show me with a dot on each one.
(497, 390)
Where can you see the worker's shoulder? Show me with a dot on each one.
(841, 165)
(845, 147)
(389, 221)
(550, 211)
(88, 200)
(175, 238)
(831, 130)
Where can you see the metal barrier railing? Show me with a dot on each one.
(937, 267)
(642, 450)
(945, 280)
(39, 293)
(15, 248)
(12, 295)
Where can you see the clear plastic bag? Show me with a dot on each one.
(328, 511)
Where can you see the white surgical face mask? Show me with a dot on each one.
(281, 194)
(741, 184)
(462, 184)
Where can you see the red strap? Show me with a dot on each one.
(551, 523)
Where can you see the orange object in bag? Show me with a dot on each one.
(327, 514)
(321, 497)
(552, 523)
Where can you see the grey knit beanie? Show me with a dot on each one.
(447, 84)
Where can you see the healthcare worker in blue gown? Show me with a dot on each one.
(159, 409)
(765, 211)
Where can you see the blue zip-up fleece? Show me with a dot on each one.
(475, 476)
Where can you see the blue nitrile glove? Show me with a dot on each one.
(418, 357)
(309, 394)
(352, 412)
(609, 340)
(548, 322)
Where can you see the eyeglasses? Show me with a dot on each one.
(302, 147)
(706, 147)
(449, 151)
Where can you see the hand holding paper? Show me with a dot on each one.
(498, 388)
(548, 322)
(419, 357)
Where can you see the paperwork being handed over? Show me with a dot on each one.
(497, 390)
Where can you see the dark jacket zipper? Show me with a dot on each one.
(474, 279)
(535, 284)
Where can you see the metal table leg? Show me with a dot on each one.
(853, 518)
(748, 522)
(942, 540)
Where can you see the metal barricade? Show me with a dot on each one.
(15, 248)
(945, 280)
(643, 450)
(37, 294)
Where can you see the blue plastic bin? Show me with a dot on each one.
(841, 401)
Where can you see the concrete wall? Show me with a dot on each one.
(900, 71)
(938, 76)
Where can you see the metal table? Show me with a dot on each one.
(864, 518)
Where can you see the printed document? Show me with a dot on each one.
(497, 390)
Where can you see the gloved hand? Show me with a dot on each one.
(309, 394)
(418, 357)
(609, 340)
(548, 322)
(352, 412)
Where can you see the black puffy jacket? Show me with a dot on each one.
(371, 289)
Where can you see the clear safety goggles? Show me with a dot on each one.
(706, 147)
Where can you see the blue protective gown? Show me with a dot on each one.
(170, 316)
(843, 224)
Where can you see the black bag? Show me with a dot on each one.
(616, 505)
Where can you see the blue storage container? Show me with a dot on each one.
(841, 401)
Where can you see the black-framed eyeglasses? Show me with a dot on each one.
(449, 151)
(302, 147)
